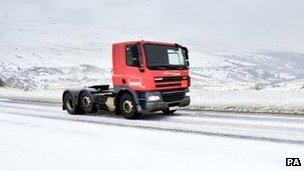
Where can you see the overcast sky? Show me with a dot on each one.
(269, 24)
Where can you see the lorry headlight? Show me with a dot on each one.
(188, 94)
(158, 79)
(153, 98)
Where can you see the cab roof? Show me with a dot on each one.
(146, 42)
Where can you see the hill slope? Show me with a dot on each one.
(53, 55)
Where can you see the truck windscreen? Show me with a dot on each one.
(165, 57)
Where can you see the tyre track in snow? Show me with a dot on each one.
(279, 129)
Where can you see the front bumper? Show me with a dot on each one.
(164, 103)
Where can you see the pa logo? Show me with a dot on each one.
(293, 162)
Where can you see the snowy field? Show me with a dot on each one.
(37, 136)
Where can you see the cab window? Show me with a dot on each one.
(132, 55)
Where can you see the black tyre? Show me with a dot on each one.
(168, 112)
(70, 105)
(127, 106)
(87, 103)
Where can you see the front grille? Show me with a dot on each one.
(173, 96)
(162, 83)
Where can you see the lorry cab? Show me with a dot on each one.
(157, 71)
(147, 76)
(150, 66)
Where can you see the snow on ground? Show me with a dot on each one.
(41, 137)
(259, 101)
(38, 95)
(41, 144)
(256, 101)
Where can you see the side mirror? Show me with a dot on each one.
(137, 60)
(135, 55)
(134, 50)
(185, 53)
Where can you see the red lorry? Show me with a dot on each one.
(147, 77)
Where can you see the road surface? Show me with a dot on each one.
(40, 136)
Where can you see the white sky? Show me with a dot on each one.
(268, 24)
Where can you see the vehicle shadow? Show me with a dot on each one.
(156, 116)
(148, 116)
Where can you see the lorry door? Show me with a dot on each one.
(133, 75)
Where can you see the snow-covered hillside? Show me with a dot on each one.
(243, 69)
(53, 55)
(39, 55)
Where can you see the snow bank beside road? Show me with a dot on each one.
(262, 101)
(257, 101)
(53, 96)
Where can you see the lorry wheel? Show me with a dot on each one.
(168, 112)
(71, 107)
(87, 103)
(127, 106)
